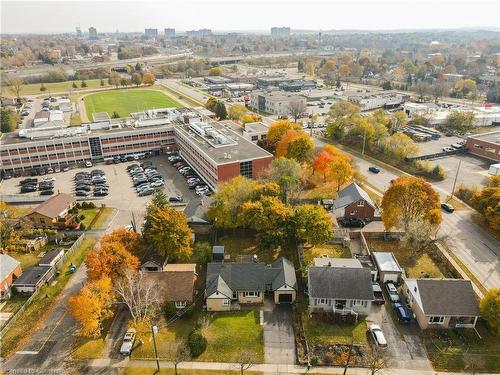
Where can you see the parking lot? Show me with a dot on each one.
(433, 146)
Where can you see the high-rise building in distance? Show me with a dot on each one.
(169, 33)
(92, 33)
(78, 31)
(151, 33)
(280, 32)
(199, 33)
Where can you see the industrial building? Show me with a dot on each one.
(275, 102)
(373, 101)
(286, 84)
(169, 32)
(486, 145)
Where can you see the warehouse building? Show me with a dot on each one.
(486, 145)
(275, 102)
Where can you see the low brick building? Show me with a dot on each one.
(10, 270)
(53, 213)
(486, 145)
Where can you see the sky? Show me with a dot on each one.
(41, 17)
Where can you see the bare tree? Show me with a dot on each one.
(376, 361)
(245, 360)
(296, 108)
(439, 89)
(139, 294)
(419, 235)
(181, 354)
(421, 88)
(14, 82)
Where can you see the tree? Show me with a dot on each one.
(250, 117)
(138, 67)
(148, 78)
(109, 259)
(237, 111)
(295, 145)
(74, 85)
(490, 309)
(139, 294)
(400, 146)
(296, 108)
(398, 121)
(301, 66)
(312, 224)
(215, 71)
(130, 239)
(11, 228)
(376, 360)
(465, 87)
(439, 89)
(310, 67)
(487, 202)
(321, 163)
(43, 88)
(92, 305)
(102, 82)
(182, 353)
(287, 174)
(220, 110)
(343, 70)
(114, 79)
(136, 79)
(419, 235)
(408, 199)
(211, 103)
(387, 85)
(340, 171)
(83, 84)
(245, 359)
(167, 232)
(203, 252)
(461, 122)
(8, 120)
(196, 342)
(421, 88)
(14, 83)
(278, 129)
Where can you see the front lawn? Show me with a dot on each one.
(86, 348)
(329, 250)
(170, 371)
(325, 333)
(102, 218)
(245, 245)
(126, 101)
(462, 349)
(38, 310)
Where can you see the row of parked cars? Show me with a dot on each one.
(192, 179)
(95, 180)
(145, 178)
(45, 186)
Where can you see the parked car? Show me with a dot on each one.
(47, 192)
(457, 146)
(146, 192)
(377, 336)
(65, 168)
(81, 193)
(447, 207)
(57, 169)
(28, 180)
(401, 312)
(374, 169)
(28, 189)
(393, 292)
(49, 179)
(352, 222)
(175, 199)
(88, 164)
(157, 183)
(377, 293)
(447, 149)
(128, 342)
(50, 170)
(100, 193)
(82, 187)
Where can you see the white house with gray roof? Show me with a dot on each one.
(232, 284)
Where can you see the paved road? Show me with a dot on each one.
(279, 341)
(477, 249)
(188, 91)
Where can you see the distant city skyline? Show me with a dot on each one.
(18, 17)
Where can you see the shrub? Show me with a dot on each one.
(169, 309)
(85, 205)
(77, 219)
(90, 205)
(438, 172)
(314, 361)
(196, 343)
(188, 312)
(82, 217)
(78, 205)
(82, 226)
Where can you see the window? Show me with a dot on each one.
(436, 319)
(361, 203)
(246, 169)
(322, 301)
(180, 304)
(225, 302)
(251, 294)
(255, 138)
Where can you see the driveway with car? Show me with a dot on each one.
(279, 341)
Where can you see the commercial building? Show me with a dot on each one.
(280, 32)
(286, 84)
(486, 145)
(198, 33)
(169, 33)
(251, 131)
(275, 102)
(374, 101)
(151, 33)
(93, 33)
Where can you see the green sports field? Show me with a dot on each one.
(126, 101)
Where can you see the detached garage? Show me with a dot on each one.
(388, 267)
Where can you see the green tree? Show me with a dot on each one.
(237, 111)
(461, 122)
(102, 82)
(136, 79)
(74, 85)
(83, 84)
(490, 309)
(114, 79)
(8, 120)
(287, 174)
(211, 103)
(43, 88)
(220, 110)
(215, 71)
(387, 85)
(203, 252)
(300, 148)
(312, 224)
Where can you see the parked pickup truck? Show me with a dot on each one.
(377, 292)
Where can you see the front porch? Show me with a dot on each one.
(463, 322)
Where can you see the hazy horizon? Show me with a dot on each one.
(258, 16)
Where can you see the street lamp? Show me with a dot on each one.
(154, 331)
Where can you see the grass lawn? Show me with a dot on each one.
(56, 87)
(126, 101)
(246, 245)
(102, 218)
(86, 348)
(30, 259)
(228, 332)
(38, 310)
(181, 96)
(13, 304)
(422, 266)
(75, 120)
(324, 333)
(89, 214)
(170, 371)
(330, 250)
(457, 350)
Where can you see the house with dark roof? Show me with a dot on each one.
(10, 270)
(344, 290)
(32, 279)
(153, 262)
(53, 213)
(354, 202)
(232, 284)
(442, 303)
(52, 258)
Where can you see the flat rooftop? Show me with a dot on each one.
(238, 150)
(493, 137)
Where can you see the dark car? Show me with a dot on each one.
(47, 192)
(175, 199)
(401, 312)
(28, 181)
(28, 189)
(46, 187)
(447, 207)
(351, 222)
(123, 159)
(100, 193)
(81, 193)
(82, 187)
(374, 169)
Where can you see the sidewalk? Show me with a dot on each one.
(265, 368)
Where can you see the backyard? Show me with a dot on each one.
(126, 101)
(245, 245)
(329, 250)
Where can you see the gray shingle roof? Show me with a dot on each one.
(32, 276)
(352, 193)
(340, 283)
(228, 277)
(448, 297)
(7, 265)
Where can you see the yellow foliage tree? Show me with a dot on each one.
(109, 259)
(148, 78)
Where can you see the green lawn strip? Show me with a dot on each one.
(89, 214)
(246, 245)
(330, 250)
(38, 310)
(229, 332)
(126, 101)
(457, 350)
(102, 218)
(185, 98)
(170, 371)
(326, 333)
(55, 87)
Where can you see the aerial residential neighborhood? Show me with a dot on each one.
(250, 188)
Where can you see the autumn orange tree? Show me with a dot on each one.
(92, 305)
(294, 145)
(410, 198)
(251, 117)
(109, 259)
(130, 239)
(278, 129)
(321, 163)
(148, 78)
(340, 171)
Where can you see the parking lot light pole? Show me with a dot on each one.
(154, 331)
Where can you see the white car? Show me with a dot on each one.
(377, 336)
(392, 292)
(447, 149)
(88, 164)
(157, 183)
(128, 342)
(49, 179)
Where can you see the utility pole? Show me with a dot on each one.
(364, 141)
(456, 177)
(154, 331)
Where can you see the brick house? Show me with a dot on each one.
(10, 270)
(53, 213)
(356, 203)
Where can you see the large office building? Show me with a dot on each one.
(275, 102)
(93, 33)
(198, 33)
(280, 32)
(213, 149)
(151, 33)
(486, 145)
(169, 32)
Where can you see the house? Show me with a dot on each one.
(196, 216)
(218, 253)
(52, 258)
(153, 262)
(344, 290)
(53, 213)
(232, 284)
(388, 267)
(356, 203)
(10, 270)
(442, 303)
(32, 279)
(175, 283)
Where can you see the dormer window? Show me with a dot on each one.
(361, 203)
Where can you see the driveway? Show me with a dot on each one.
(405, 346)
(279, 340)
